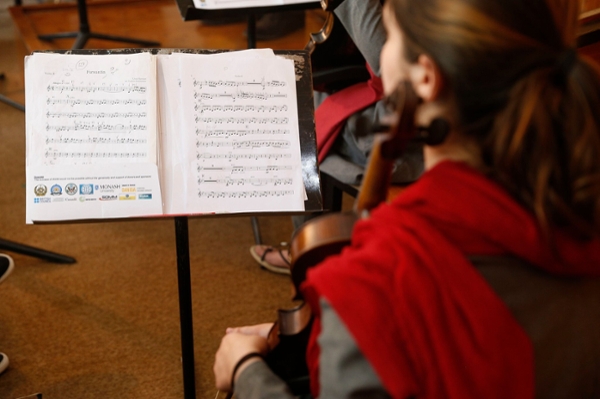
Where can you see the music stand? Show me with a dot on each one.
(84, 33)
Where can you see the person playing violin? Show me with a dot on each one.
(407, 310)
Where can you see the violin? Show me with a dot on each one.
(327, 235)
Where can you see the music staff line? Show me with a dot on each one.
(100, 127)
(243, 95)
(90, 154)
(220, 133)
(244, 194)
(237, 83)
(245, 144)
(67, 87)
(254, 181)
(97, 115)
(243, 121)
(231, 156)
(76, 101)
(94, 140)
(244, 169)
(240, 108)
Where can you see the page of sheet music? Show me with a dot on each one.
(88, 109)
(240, 133)
(89, 118)
(219, 4)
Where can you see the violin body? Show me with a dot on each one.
(313, 242)
(317, 239)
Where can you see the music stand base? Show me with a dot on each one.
(35, 252)
(81, 39)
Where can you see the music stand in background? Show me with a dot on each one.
(85, 33)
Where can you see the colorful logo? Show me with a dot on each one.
(108, 198)
(71, 189)
(56, 190)
(86, 189)
(40, 190)
(145, 196)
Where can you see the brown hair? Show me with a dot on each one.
(523, 94)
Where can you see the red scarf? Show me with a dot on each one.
(420, 313)
(331, 115)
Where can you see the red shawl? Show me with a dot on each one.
(331, 115)
(421, 314)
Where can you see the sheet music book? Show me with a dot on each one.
(131, 135)
(222, 4)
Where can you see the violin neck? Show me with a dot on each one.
(376, 181)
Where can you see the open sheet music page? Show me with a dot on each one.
(91, 136)
(220, 4)
(238, 136)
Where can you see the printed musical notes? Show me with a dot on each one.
(241, 108)
(79, 103)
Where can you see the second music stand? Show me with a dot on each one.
(85, 33)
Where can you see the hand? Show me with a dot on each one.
(234, 346)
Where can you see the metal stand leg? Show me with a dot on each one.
(84, 33)
(251, 32)
(256, 230)
(185, 307)
(35, 252)
(10, 102)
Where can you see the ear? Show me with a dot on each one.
(426, 78)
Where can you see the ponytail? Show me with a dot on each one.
(545, 145)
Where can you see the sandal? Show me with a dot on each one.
(269, 266)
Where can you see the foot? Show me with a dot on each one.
(276, 260)
(6, 266)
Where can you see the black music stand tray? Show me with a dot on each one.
(84, 33)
